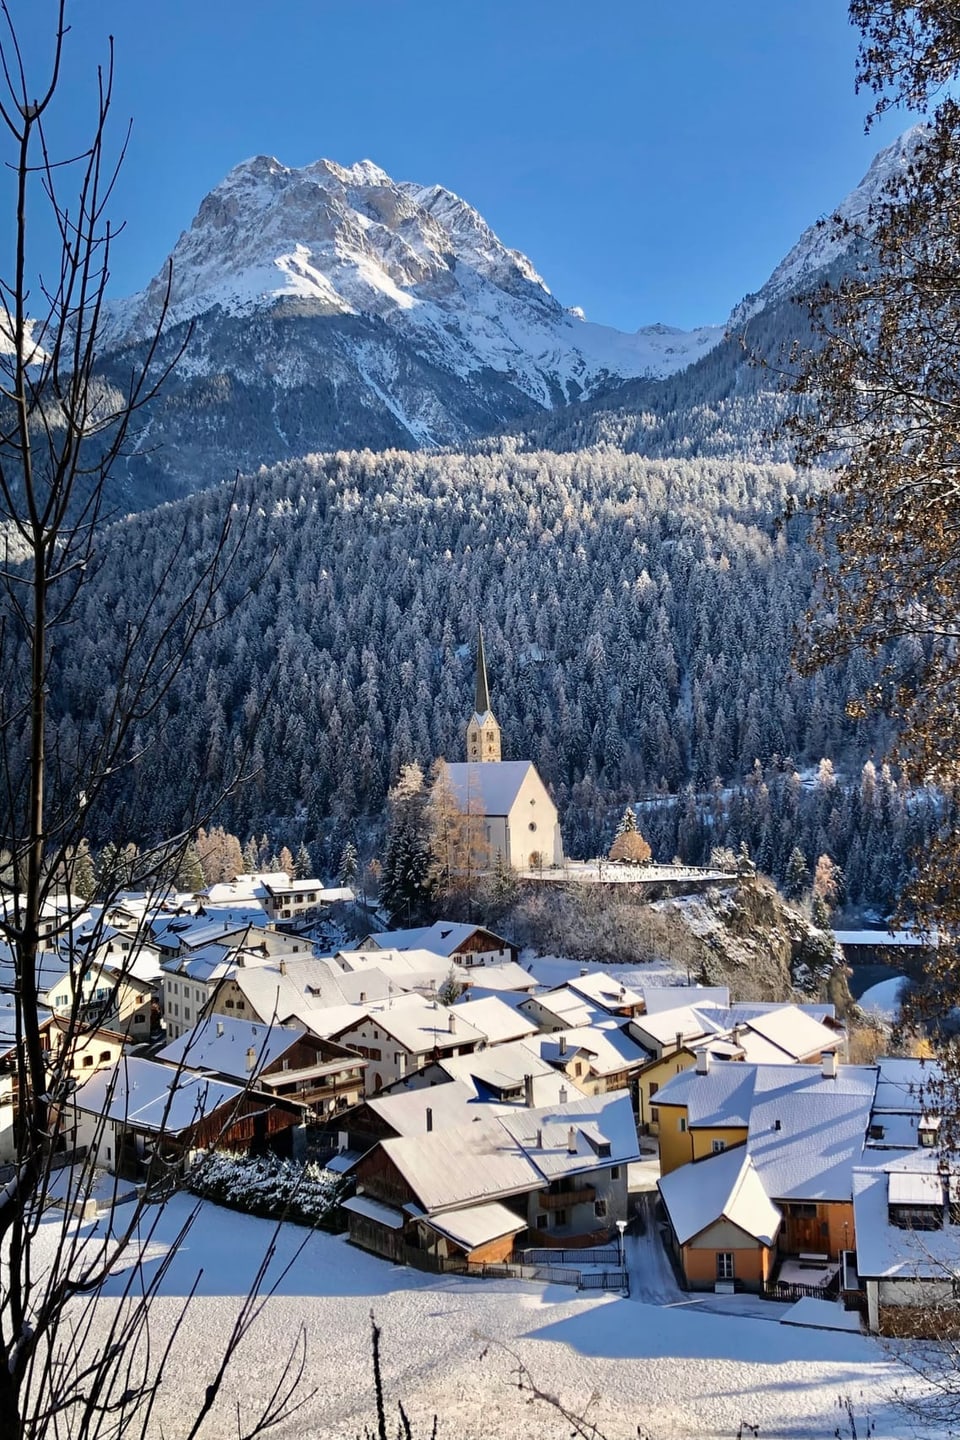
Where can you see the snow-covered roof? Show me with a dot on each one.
(602, 989)
(884, 937)
(452, 1104)
(449, 1168)
(792, 1032)
(506, 977)
(805, 1131)
(495, 1020)
(375, 1210)
(668, 997)
(151, 1096)
(566, 1005)
(501, 1069)
(723, 1186)
(663, 1026)
(886, 1251)
(222, 1044)
(906, 1086)
(443, 937)
(608, 1048)
(418, 1024)
(489, 788)
(518, 1150)
(597, 1122)
(477, 1224)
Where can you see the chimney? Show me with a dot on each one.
(571, 1141)
(703, 1061)
(583, 971)
(828, 1065)
(429, 1114)
(251, 1058)
(563, 1044)
(528, 1091)
(539, 1139)
(283, 966)
(679, 1039)
(778, 1125)
(219, 1027)
(363, 997)
(452, 1023)
(563, 1094)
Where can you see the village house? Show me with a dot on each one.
(402, 1034)
(549, 1175)
(466, 944)
(757, 1034)
(140, 1118)
(799, 1131)
(283, 1060)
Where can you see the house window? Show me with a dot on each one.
(62, 1000)
(614, 1172)
(600, 1209)
(87, 1060)
(559, 1218)
(802, 1211)
(724, 1264)
(655, 1117)
(683, 1125)
(542, 1221)
(229, 1004)
(105, 1057)
(718, 1146)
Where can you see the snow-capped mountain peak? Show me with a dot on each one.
(336, 240)
(821, 244)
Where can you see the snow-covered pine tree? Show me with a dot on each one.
(349, 864)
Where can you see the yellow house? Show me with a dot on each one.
(793, 1132)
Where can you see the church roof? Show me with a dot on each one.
(482, 705)
(489, 788)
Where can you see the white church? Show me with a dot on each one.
(520, 819)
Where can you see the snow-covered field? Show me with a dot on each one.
(673, 1369)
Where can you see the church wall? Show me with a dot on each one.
(533, 806)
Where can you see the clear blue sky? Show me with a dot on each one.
(654, 158)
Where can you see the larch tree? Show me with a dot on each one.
(72, 1362)
(879, 392)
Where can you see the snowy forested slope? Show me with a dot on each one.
(638, 615)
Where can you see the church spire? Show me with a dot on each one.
(483, 693)
(483, 732)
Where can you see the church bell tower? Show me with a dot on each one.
(483, 732)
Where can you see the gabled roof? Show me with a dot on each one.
(450, 1105)
(488, 787)
(517, 1151)
(602, 989)
(222, 1044)
(495, 1020)
(566, 1005)
(724, 1186)
(444, 937)
(886, 1251)
(477, 1224)
(150, 1096)
(607, 1048)
(419, 1025)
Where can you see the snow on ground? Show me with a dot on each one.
(883, 1000)
(661, 1360)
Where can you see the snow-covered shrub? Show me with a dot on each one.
(270, 1187)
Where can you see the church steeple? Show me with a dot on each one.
(483, 693)
(483, 732)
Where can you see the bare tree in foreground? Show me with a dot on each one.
(71, 1362)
